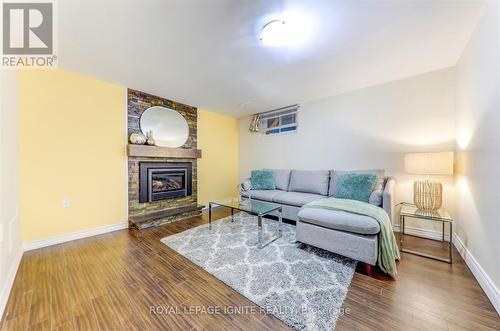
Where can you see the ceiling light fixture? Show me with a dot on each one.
(274, 33)
(285, 33)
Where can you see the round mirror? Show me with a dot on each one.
(170, 129)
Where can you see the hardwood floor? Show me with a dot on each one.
(110, 282)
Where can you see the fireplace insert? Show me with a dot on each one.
(163, 180)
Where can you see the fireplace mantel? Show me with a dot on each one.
(156, 151)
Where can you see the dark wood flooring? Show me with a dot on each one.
(109, 282)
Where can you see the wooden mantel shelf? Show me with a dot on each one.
(156, 151)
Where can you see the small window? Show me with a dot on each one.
(283, 120)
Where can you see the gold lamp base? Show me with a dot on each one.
(427, 195)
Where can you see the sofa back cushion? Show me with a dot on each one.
(262, 180)
(335, 174)
(309, 181)
(281, 177)
(355, 186)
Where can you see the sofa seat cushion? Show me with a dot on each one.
(339, 220)
(297, 199)
(265, 195)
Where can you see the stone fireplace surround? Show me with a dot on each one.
(172, 208)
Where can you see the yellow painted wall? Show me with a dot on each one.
(218, 167)
(72, 145)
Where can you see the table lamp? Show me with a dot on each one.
(427, 193)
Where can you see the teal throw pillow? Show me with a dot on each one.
(355, 186)
(262, 180)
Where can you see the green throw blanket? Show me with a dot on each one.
(388, 251)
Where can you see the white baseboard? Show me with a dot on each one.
(481, 276)
(9, 281)
(424, 233)
(44, 242)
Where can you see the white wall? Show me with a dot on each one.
(10, 234)
(478, 143)
(369, 128)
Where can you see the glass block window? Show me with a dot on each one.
(283, 120)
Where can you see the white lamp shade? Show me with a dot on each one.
(429, 163)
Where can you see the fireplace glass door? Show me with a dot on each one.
(160, 180)
(166, 183)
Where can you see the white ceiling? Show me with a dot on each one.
(208, 54)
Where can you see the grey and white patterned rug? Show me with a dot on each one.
(305, 288)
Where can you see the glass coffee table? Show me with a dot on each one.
(252, 207)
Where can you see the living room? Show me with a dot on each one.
(250, 165)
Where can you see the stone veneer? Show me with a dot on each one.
(137, 103)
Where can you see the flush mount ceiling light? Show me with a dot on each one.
(288, 32)
(274, 33)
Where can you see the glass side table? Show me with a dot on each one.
(440, 215)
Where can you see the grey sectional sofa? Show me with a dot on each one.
(344, 233)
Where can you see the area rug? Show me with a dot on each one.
(305, 288)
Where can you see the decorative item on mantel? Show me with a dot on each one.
(149, 138)
(137, 138)
(427, 193)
